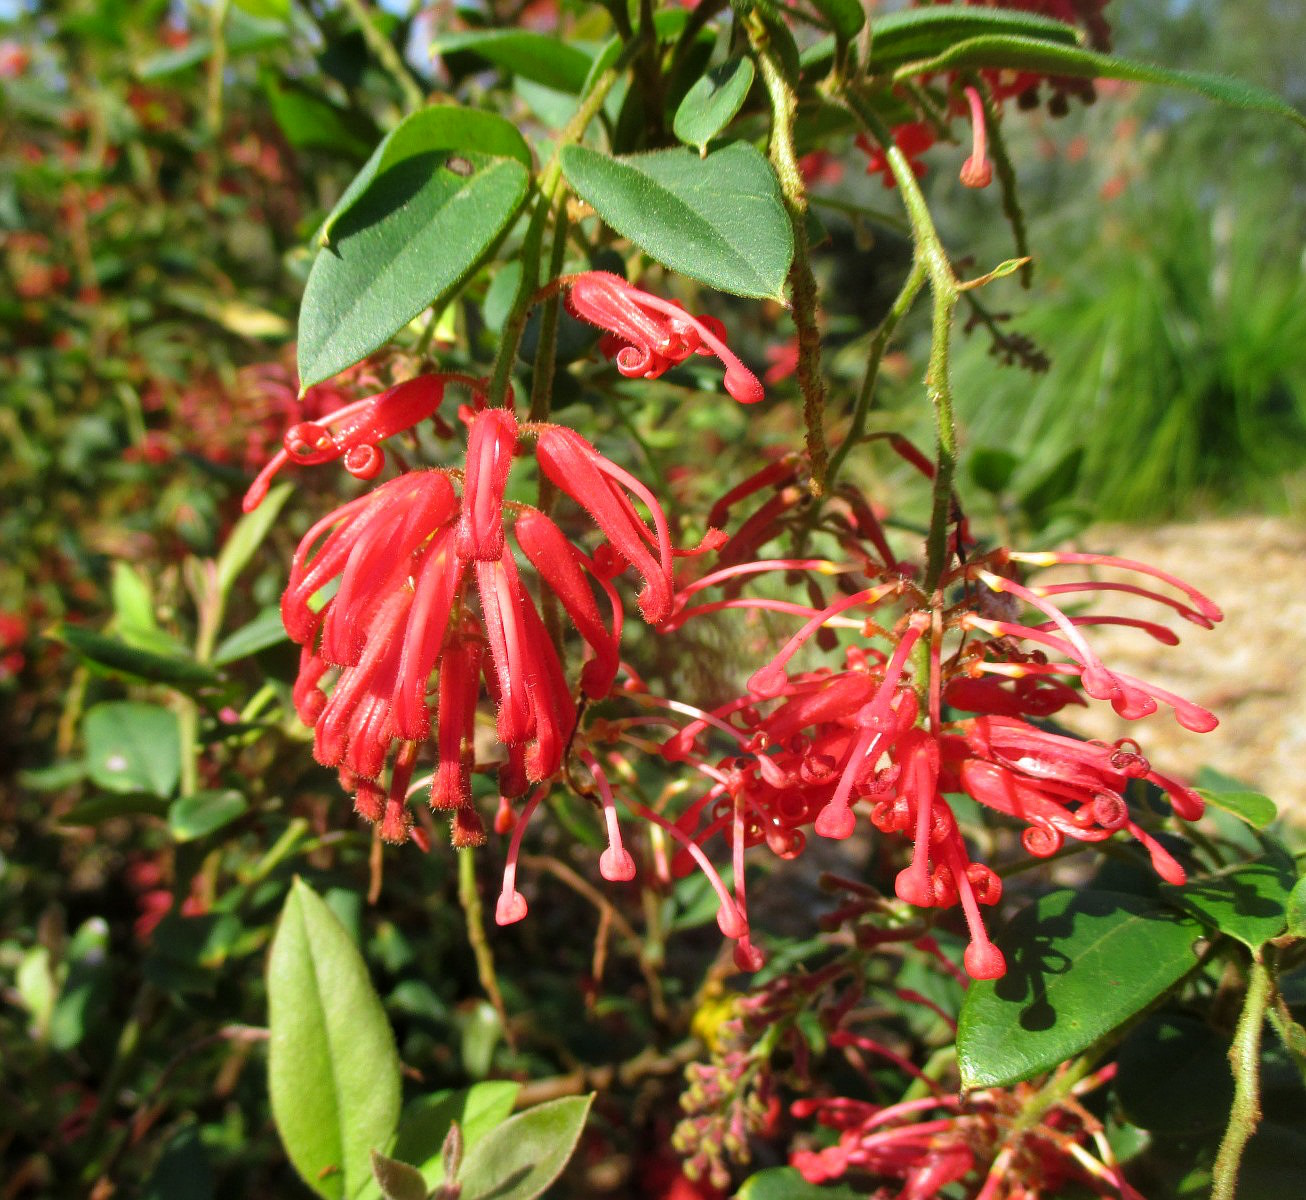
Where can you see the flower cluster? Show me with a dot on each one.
(929, 1143)
(427, 583)
(887, 728)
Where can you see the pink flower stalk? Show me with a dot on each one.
(647, 335)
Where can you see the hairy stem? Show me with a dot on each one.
(944, 292)
(784, 158)
(1245, 1058)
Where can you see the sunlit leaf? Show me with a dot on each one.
(333, 1073)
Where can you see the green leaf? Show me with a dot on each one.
(275, 10)
(846, 17)
(104, 808)
(263, 631)
(785, 1183)
(133, 606)
(521, 1157)
(83, 995)
(117, 656)
(247, 536)
(1079, 964)
(1029, 54)
(333, 1072)
(441, 127)
(718, 219)
(132, 747)
(312, 123)
(246, 34)
(1244, 803)
(1296, 909)
(397, 1180)
(410, 242)
(426, 1121)
(1246, 902)
(536, 56)
(710, 105)
(918, 32)
(1174, 1077)
(201, 813)
(992, 468)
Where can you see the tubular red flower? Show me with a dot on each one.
(490, 444)
(562, 568)
(580, 471)
(652, 334)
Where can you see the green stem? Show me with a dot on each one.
(546, 353)
(387, 55)
(217, 65)
(945, 293)
(1245, 1058)
(784, 158)
(469, 897)
(879, 343)
(549, 182)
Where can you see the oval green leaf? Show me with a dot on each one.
(1257, 810)
(1079, 964)
(717, 219)
(710, 105)
(133, 747)
(920, 32)
(1296, 909)
(263, 631)
(846, 17)
(199, 814)
(1247, 902)
(123, 658)
(397, 1180)
(333, 1073)
(785, 1183)
(410, 242)
(1031, 54)
(247, 536)
(520, 1158)
(441, 127)
(546, 60)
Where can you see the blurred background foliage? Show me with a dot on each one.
(157, 204)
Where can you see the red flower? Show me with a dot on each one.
(647, 335)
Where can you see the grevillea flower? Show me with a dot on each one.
(427, 589)
(646, 335)
(926, 1144)
(808, 747)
